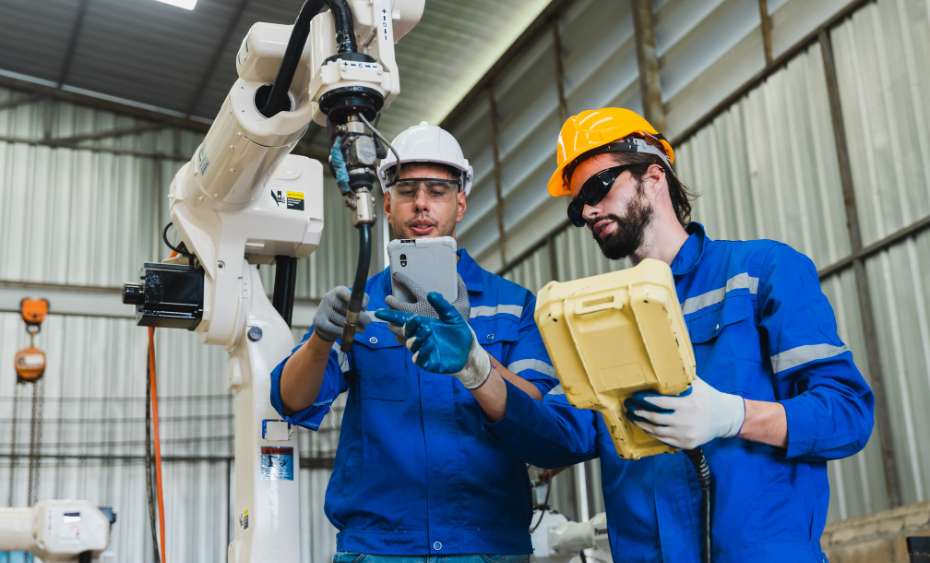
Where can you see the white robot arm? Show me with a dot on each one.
(244, 200)
(57, 530)
(559, 540)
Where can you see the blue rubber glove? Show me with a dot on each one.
(442, 345)
(689, 420)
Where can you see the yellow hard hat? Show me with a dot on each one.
(595, 128)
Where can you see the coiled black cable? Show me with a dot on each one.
(702, 468)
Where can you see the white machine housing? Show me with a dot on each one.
(559, 540)
(55, 530)
(379, 24)
(241, 201)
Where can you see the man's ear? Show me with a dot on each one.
(387, 205)
(461, 206)
(654, 176)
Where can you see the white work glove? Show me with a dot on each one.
(478, 366)
(330, 319)
(689, 420)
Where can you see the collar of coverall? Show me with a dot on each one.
(691, 251)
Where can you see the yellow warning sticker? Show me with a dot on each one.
(295, 200)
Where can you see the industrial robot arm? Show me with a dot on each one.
(57, 530)
(244, 200)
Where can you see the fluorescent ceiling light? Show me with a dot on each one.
(186, 4)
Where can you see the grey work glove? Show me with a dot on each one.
(419, 305)
(330, 318)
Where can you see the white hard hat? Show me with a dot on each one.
(426, 143)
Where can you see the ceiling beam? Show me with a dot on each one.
(72, 43)
(100, 102)
(107, 134)
(215, 58)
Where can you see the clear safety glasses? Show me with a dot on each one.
(406, 189)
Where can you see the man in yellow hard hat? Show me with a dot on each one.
(777, 393)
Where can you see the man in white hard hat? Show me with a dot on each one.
(417, 477)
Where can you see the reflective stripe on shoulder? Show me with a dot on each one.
(803, 354)
(714, 296)
(535, 365)
(557, 390)
(490, 311)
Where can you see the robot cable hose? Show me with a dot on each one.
(704, 477)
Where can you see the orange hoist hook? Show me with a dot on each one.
(30, 361)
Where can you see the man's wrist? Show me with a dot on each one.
(477, 369)
(739, 416)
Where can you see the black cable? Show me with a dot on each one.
(180, 249)
(345, 32)
(277, 99)
(544, 508)
(285, 280)
(704, 477)
(358, 286)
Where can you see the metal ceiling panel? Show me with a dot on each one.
(34, 35)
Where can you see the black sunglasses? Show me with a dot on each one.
(592, 191)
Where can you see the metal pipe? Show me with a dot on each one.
(581, 491)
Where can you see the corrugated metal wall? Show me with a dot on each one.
(89, 215)
(767, 166)
(881, 62)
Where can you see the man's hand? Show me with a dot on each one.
(443, 345)
(420, 305)
(690, 420)
(330, 318)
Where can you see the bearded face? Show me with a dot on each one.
(620, 235)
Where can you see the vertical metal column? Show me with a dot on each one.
(563, 114)
(559, 70)
(498, 180)
(765, 24)
(863, 294)
(648, 63)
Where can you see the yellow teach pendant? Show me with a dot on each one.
(614, 334)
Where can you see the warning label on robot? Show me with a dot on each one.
(277, 463)
(295, 200)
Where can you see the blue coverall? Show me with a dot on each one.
(761, 328)
(416, 471)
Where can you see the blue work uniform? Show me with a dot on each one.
(762, 329)
(416, 471)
